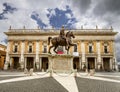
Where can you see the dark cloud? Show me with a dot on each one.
(107, 6)
(82, 5)
(8, 9)
(56, 20)
(39, 21)
(60, 18)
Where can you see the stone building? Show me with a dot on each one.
(28, 48)
(2, 55)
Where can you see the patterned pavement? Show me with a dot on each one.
(19, 82)
(90, 85)
(34, 85)
(9, 77)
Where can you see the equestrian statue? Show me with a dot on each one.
(61, 40)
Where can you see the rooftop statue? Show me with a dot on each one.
(61, 40)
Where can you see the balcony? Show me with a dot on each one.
(31, 52)
(107, 54)
(14, 52)
(91, 54)
(75, 53)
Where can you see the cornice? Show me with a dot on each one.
(50, 32)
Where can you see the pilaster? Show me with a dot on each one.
(22, 54)
(40, 63)
(98, 55)
(37, 55)
(83, 53)
(7, 56)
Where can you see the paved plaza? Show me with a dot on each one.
(42, 82)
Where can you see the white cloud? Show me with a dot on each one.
(86, 18)
(25, 8)
(68, 15)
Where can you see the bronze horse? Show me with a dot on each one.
(58, 41)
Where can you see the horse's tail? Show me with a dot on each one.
(49, 40)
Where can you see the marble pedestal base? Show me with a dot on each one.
(61, 63)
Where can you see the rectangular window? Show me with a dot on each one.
(90, 49)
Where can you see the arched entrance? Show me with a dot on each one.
(45, 63)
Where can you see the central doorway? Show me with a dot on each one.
(91, 63)
(30, 62)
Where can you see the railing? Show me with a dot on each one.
(55, 30)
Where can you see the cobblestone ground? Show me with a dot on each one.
(35, 85)
(89, 85)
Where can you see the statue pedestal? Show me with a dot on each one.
(61, 63)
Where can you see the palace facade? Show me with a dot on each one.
(2, 55)
(29, 48)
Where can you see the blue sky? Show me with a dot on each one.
(54, 13)
(70, 13)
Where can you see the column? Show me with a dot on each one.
(95, 63)
(111, 63)
(7, 56)
(83, 53)
(98, 55)
(40, 64)
(37, 55)
(11, 63)
(114, 57)
(34, 63)
(22, 54)
(86, 63)
(114, 64)
(102, 63)
(79, 63)
(25, 62)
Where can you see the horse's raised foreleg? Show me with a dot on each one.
(73, 44)
(50, 49)
(55, 48)
(68, 49)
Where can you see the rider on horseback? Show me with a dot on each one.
(62, 35)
